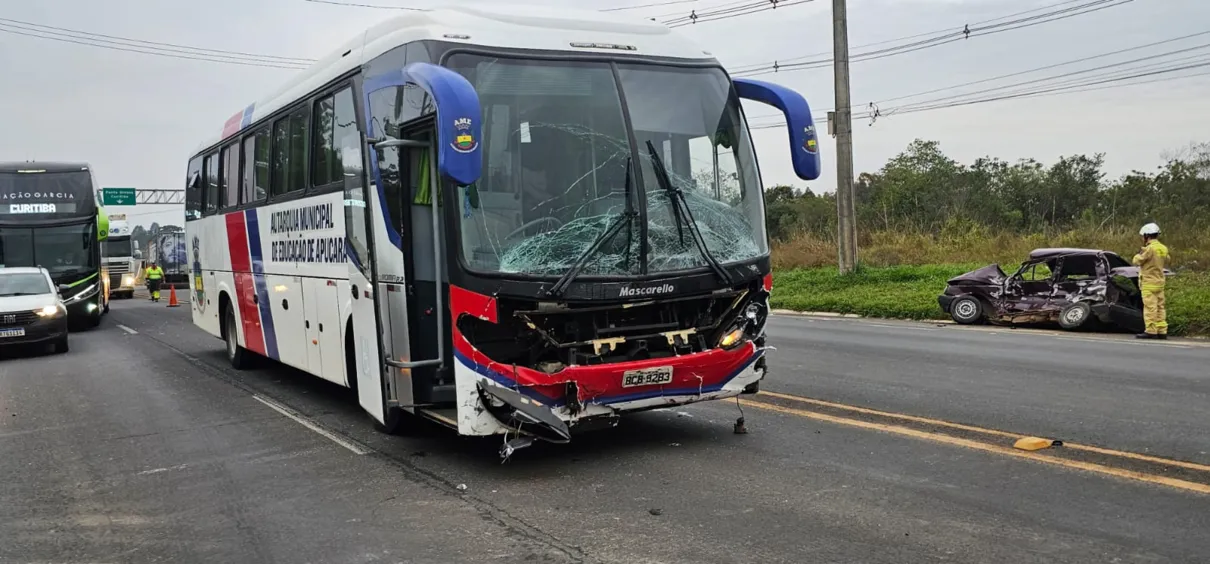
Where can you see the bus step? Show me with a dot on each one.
(443, 393)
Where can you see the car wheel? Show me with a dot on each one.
(1075, 316)
(966, 310)
(238, 356)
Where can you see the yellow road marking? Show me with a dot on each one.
(986, 447)
(1014, 436)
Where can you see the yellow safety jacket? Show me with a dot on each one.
(1151, 262)
(155, 273)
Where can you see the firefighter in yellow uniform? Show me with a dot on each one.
(154, 276)
(1151, 260)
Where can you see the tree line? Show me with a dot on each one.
(922, 190)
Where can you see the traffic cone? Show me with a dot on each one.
(172, 297)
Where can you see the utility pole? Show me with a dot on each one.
(846, 224)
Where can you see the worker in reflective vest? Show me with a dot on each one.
(154, 276)
(1151, 260)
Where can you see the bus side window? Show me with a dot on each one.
(255, 183)
(193, 190)
(211, 184)
(228, 178)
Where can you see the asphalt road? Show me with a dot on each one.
(1110, 390)
(141, 446)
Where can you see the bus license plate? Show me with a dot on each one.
(12, 332)
(647, 377)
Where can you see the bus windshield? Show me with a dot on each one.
(116, 247)
(60, 250)
(40, 193)
(560, 168)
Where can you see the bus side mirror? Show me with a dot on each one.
(804, 146)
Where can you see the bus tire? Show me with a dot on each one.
(238, 356)
(395, 422)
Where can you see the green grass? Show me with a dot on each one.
(910, 292)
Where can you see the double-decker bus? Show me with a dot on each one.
(51, 216)
(512, 221)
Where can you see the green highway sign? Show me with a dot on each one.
(118, 196)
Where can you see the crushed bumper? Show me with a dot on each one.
(945, 301)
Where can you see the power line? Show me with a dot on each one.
(759, 66)
(101, 36)
(1084, 84)
(1084, 7)
(151, 51)
(375, 6)
(1052, 66)
(1067, 89)
(1048, 67)
(1064, 75)
(734, 11)
(654, 5)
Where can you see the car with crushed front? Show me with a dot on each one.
(1075, 288)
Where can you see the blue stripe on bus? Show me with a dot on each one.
(247, 119)
(262, 290)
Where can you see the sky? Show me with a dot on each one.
(138, 117)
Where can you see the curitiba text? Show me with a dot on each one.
(317, 249)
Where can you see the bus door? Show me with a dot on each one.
(410, 164)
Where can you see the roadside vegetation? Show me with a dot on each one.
(924, 218)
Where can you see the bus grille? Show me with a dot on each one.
(17, 318)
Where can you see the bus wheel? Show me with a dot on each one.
(236, 355)
(395, 424)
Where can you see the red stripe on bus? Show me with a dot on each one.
(245, 291)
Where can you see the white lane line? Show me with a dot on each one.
(905, 326)
(301, 420)
(127, 329)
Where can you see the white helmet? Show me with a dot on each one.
(1150, 229)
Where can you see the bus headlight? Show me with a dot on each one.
(85, 294)
(732, 338)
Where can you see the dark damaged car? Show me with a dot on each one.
(1071, 287)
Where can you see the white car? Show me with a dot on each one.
(31, 311)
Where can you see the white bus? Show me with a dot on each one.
(514, 221)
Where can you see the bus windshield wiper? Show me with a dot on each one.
(682, 214)
(620, 220)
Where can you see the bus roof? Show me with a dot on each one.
(42, 166)
(509, 26)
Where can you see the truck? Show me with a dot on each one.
(121, 257)
(167, 249)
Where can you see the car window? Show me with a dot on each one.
(23, 284)
(1036, 273)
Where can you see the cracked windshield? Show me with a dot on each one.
(560, 177)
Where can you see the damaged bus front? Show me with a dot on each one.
(613, 256)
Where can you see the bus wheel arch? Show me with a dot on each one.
(350, 358)
(239, 357)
